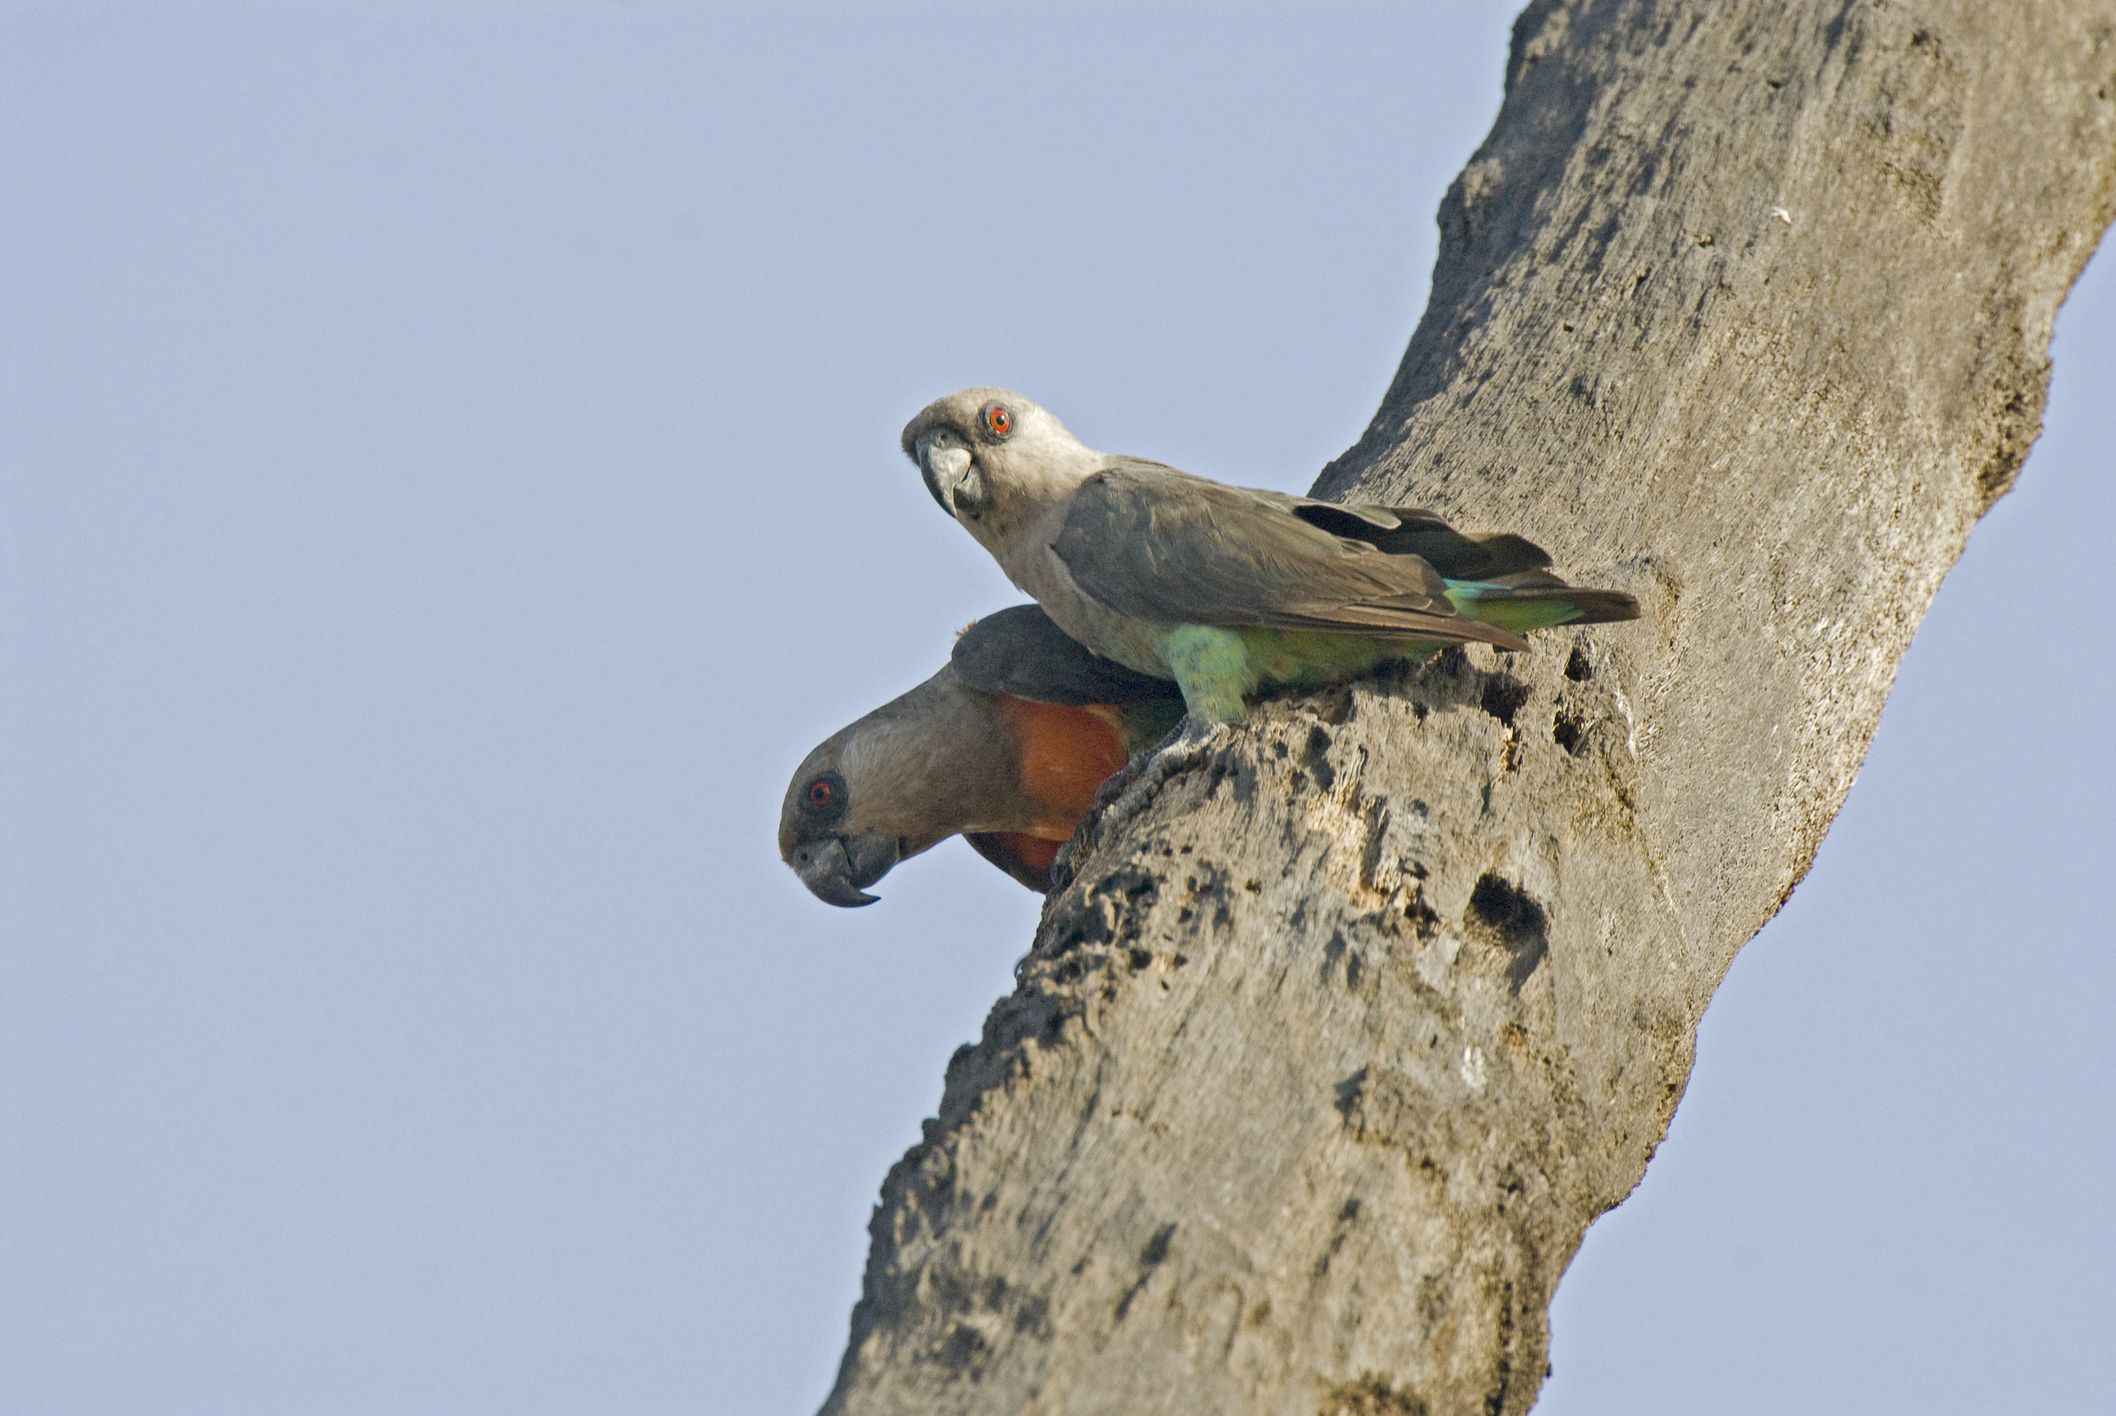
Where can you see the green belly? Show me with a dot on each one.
(1218, 669)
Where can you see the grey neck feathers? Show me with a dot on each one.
(939, 755)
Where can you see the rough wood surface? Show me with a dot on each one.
(1318, 1072)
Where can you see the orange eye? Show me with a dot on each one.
(999, 421)
(821, 793)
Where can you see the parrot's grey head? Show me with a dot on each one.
(979, 448)
(897, 782)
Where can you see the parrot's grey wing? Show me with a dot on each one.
(1415, 531)
(1019, 651)
(1159, 545)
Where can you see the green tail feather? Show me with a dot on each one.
(1521, 608)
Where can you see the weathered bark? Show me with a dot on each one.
(1316, 1076)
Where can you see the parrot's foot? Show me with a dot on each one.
(1187, 747)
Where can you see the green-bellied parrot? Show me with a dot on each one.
(1005, 746)
(1225, 590)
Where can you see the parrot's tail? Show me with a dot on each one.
(1521, 608)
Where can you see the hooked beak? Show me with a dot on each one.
(945, 464)
(838, 869)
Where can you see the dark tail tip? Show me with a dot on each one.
(1602, 606)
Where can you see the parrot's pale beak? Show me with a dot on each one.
(944, 462)
(838, 870)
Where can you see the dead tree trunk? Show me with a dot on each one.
(1319, 1070)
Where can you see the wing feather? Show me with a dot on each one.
(1160, 545)
(1020, 652)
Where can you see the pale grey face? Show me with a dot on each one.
(981, 443)
(824, 842)
(904, 778)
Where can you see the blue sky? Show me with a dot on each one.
(451, 481)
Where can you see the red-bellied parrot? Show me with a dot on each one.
(1005, 746)
(1225, 590)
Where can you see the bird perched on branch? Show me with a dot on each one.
(1224, 589)
(1005, 746)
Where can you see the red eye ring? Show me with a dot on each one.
(821, 793)
(999, 420)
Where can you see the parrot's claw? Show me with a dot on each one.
(1187, 747)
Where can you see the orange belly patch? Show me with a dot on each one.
(1066, 753)
(1031, 858)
